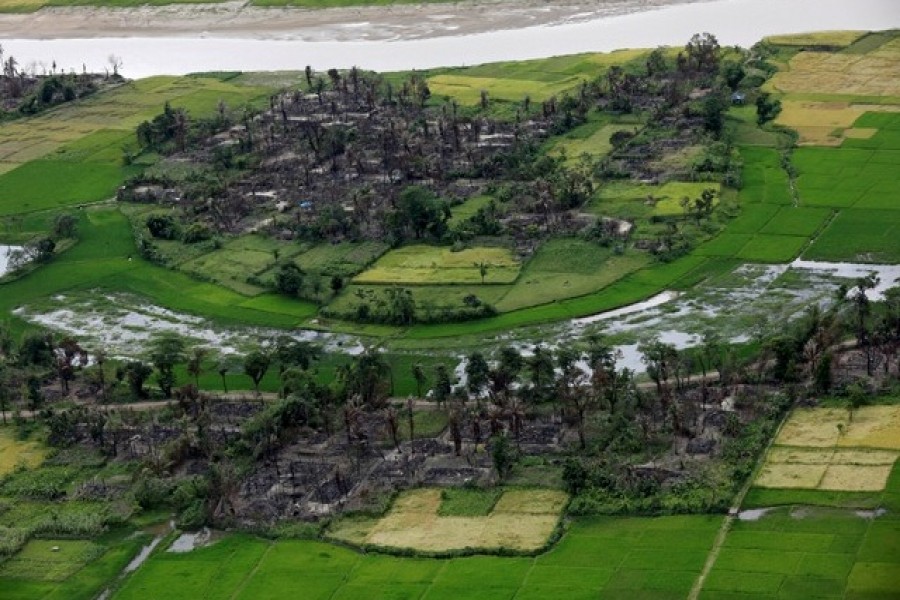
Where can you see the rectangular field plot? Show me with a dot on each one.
(521, 519)
(829, 449)
(467, 89)
(860, 235)
(772, 248)
(753, 218)
(724, 245)
(603, 557)
(568, 268)
(819, 38)
(796, 220)
(842, 73)
(789, 553)
(855, 478)
(344, 259)
(431, 264)
(38, 561)
(765, 181)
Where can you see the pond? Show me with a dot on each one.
(733, 22)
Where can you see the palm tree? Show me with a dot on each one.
(482, 270)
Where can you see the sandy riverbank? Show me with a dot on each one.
(240, 20)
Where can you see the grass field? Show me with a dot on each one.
(656, 558)
(570, 268)
(422, 265)
(592, 139)
(513, 81)
(467, 209)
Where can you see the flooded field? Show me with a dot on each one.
(738, 307)
(121, 324)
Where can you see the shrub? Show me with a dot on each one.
(151, 492)
(194, 516)
(163, 227)
(197, 232)
(11, 540)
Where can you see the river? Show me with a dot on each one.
(740, 22)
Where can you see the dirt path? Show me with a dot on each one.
(238, 19)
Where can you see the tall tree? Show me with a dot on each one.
(418, 374)
(477, 372)
(256, 364)
(195, 364)
(367, 377)
(442, 384)
(166, 352)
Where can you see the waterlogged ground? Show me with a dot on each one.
(4, 258)
(739, 306)
(122, 324)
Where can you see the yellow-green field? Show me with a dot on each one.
(838, 39)
(842, 73)
(15, 452)
(520, 520)
(820, 123)
(422, 264)
(828, 449)
(595, 145)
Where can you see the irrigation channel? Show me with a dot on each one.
(387, 45)
(739, 306)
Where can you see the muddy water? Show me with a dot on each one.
(733, 21)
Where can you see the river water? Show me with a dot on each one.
(740, 22)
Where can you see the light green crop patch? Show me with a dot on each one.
(50, 560)
(435, 265)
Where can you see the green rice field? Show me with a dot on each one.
(803, 551)
(631, 557)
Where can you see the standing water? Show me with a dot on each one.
(4, 258)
